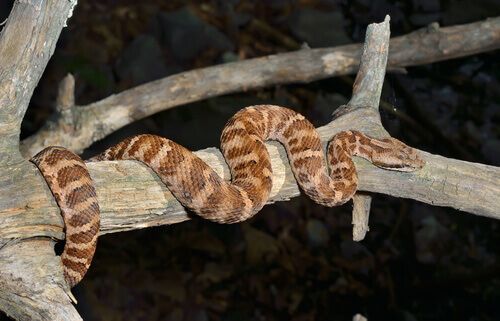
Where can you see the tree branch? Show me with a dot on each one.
(369, 80)
(132, 197)
(95, 121)
(31, 281)
(366, 93)
(29, 292)
(26, 43)
(360, 215)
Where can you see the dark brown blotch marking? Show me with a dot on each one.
(200, 180)
(365, 151)
(239, 175)
(364, 140)
(231, 133)
(54, 155)
(86, 215)
(297, 149)
(78, 253)
(156, 144)
(70, 174)
(377, 149)
(311, 164)
(336, 172)
(137, 145)
(199, 167)
(118, 150)
(304, 178)
(256, 116)
(250, 127)
(339, 186)
(176, 156)
(292, 142)
(84, 236)
(298, 124)
(342, 153)
(234, 152)
(350, 172)
(74, 266)
(80, 194)
(244, 166)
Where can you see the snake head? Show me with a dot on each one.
(397, 156)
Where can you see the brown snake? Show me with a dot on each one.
(197, 187)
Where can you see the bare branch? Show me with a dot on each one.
(366, 93)
(66, 94)
(95, 121)
(29, 292)
(31, 281)
(370, 77)
(26, 43)
(360, 215)
(359, 317)
(132, 197)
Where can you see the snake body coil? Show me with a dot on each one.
(197, 187)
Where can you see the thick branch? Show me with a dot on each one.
(29, 292)
(95, 121)
(26, 43)
(31, 283)
(132, 197)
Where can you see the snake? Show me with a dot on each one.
(329, 181)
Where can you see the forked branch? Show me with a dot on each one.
(31, 282)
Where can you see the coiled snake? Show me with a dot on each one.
(197, 187)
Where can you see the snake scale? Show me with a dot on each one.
(197, 187)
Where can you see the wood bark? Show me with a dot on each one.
(31, 281)
(132, 197)
(32, 286)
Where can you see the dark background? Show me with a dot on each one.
(295, 260)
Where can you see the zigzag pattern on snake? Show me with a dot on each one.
(197, 187)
